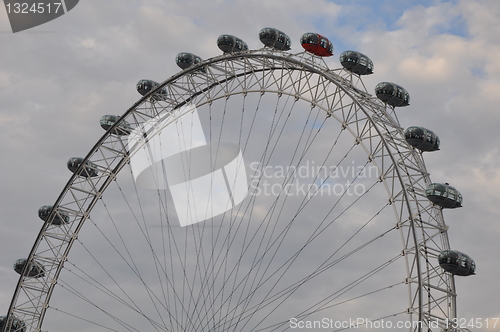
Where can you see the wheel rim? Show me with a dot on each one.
(300, 78)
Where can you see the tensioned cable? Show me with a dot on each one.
(227, 238)
(228, 245)
(181, 297)
(291, 261)
(70, 289)
(305, 150)
(115, 282)
(150, 292)
(340, 293)
(91, 281)
(134, 269)
(84, 319)
(243, 245)
(342, 290)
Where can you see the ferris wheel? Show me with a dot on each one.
(258, 190)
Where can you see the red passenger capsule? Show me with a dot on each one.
(316, 44)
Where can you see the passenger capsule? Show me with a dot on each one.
(34, 269)
(457, 263)
(16, 325)
(59, 217)
(422, 139)
(231, 44)
(392, 94)
(185, 60)
(107, 121)
(444, 195)
(275, 38)
(145, 86)
(90, 169)
(316, 44)
(356, 62)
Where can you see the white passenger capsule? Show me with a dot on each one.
(356, 62)
(145, 86)
(185, 60)
(444, 195)
(107, 121)
(34, 269)
(90, 169)
(275, 38)
(59, 217)
(422, 138)
(456, 263)
(16, 324)
(231, 44)
(392, 94)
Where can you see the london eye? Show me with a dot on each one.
(258, 190)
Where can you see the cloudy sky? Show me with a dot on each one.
(58, 79)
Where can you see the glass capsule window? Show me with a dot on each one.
(309, 38)
(183, 58)
(285, 40)
(385, 88)
(146, 85)
(34, 269)
(88, 171)
(406, 97)
(463, 262)
(44, 212)
(436, 189)
(323, 43)
(422, 139)
(268, 33)
(226, 40)
(108, 120)
(370, 65)
(450, 197)
(17, 325)
(275, 38)
(414, 132)
(59, 218)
